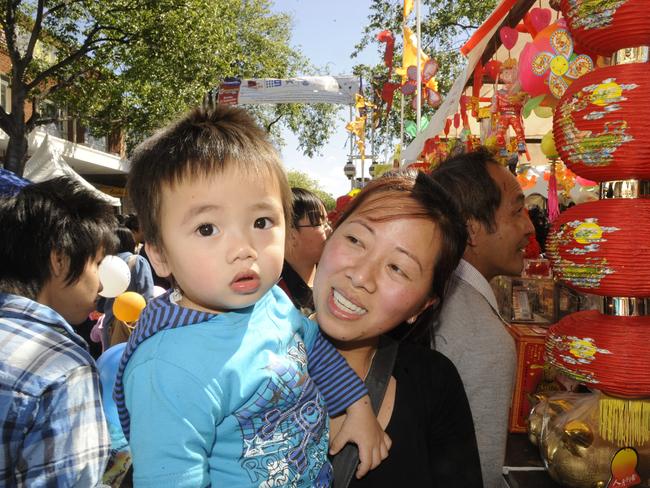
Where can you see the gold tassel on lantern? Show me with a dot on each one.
(623, 421)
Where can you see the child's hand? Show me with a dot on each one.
(361, 427)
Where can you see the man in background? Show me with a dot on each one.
(470, 331)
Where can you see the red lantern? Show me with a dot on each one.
(605, 352)
(606, 27)
(602, 247)
(601, 124)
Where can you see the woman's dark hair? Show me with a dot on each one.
(411, 195)
(57, 215)
(466, 177)
(126, 240)
(306, 204)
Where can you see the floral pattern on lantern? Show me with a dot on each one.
(605, 26)
(600, 350)
(600, 126)
(599, 247)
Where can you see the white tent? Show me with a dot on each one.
(47, 163)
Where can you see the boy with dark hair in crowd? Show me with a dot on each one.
(55, 234)
(224, 382)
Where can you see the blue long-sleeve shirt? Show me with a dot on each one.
(236, 399)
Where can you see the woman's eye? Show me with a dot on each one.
(396, 269)
(207, 230)
(353, 239)
(263, 223)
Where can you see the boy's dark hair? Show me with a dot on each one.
(57, 215)
(399, 192)
(306, 204)
(467, 179)
(126, 239)
(204, 142)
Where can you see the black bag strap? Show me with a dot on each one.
(381, 369)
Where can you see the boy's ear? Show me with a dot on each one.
(157, 259)
(59, 264)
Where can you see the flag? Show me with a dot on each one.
(408, 8)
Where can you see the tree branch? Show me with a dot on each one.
(271, 124)
(86, 47)
(36, 32)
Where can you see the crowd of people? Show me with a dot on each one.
(286, 350)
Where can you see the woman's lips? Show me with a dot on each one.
(342, 307)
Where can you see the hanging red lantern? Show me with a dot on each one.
(606, 27)
(602, 247)
(601, 124)
(606, 352)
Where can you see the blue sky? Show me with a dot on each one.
(326, 33)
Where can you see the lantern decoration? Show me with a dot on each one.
(600, 124)
(599, 247)
(350, 170)
(608, 26)
(605, 352)
(548, 65)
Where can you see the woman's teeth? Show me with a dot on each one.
(347, 305)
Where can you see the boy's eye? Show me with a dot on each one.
(207, 230)
(262, 223)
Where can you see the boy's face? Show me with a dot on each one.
(223, 239)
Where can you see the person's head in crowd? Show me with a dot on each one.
(120, 219)
(542, 225)
(492, 205)
(126, 239)
(389, 260)
(132, 223)
(213, 201)
(308, 231)
(55, 234)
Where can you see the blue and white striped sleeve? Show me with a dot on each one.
(68, 444)
(339, 385)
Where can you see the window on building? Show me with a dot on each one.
(58, 127)
(5, 93)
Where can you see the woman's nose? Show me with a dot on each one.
(362, 275)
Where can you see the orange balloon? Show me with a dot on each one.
(128, 306)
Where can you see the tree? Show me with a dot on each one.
(136, 64)
(446, 25)
(298, 179)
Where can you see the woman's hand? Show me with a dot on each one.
(361, 427)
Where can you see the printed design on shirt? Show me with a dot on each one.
(284, 427)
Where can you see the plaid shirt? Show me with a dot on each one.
(52, 423)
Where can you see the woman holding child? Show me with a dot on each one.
(384, 272)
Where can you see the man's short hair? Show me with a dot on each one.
(204, 142)
(467, 179)
(56, 215)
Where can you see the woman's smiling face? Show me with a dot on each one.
(374, 273)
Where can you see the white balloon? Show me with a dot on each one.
(158, 290)
(114, 276)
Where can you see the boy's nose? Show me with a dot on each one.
(241, 249)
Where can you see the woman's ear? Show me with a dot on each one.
(158, 260)
(430, 302)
